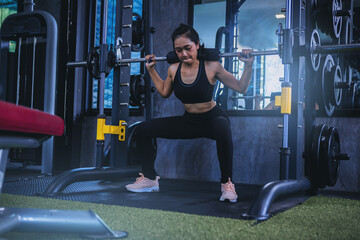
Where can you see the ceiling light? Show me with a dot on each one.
(281, 15)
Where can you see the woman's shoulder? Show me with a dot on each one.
(174, 66)
(212, 64)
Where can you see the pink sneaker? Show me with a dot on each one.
(228, 192)
(143, 184)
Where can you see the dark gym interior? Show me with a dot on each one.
(74, 88)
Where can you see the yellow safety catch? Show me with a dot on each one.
(284, 100)
(103, 129)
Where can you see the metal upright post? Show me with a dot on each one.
(229, 42)
(287, 60)
(310, 113)
(292, 180)
(121, 82)
(297, 76)
(103, 57)
(28, 6)
(149, 49)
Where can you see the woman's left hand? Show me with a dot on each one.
(245, 56)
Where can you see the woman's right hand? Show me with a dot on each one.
(150, 61)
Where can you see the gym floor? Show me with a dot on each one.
(186, 196)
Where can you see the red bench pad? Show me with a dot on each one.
(22, 119)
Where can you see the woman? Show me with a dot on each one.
(192, 80)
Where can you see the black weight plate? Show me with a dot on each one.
(326, 20)
(325, 102)
(356, 96)
(138, 33)
(334, 94)
(93, 63)
(137, 91)
(140, 90)
(348, 101)
(315, 58)
(315, 171)
(132, 99)
(331, 148)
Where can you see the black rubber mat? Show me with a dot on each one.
(194, 197)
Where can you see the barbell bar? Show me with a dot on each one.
(220, 55)
(317, 49)
(138, 60)
(329, 49)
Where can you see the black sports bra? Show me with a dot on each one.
(201, 90)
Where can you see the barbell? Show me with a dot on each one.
(210, 54)
(213, 54)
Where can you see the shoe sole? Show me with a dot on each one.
(230, 200)
(153, 189)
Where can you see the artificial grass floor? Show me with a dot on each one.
(317, 218)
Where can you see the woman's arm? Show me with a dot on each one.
(165, 88)
(230, 81)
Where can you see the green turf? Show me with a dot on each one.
(318, 218)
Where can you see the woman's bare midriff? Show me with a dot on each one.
(199, 107)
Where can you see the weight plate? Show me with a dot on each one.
(93, 63)
(325, 101)
(137, 91)
(335, 93)
(345, 32)
(138, 33)
(331, 149)
(315, 57)
(327, 20)
(348, 99)
(337, 21)
(316, 173)
(356, 96)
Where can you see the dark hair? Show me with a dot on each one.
(190, 33)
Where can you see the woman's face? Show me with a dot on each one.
(185, 49)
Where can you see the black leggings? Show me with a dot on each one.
(213, 124)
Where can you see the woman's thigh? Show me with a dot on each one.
(177, 127)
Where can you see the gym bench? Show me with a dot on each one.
(29, 128)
